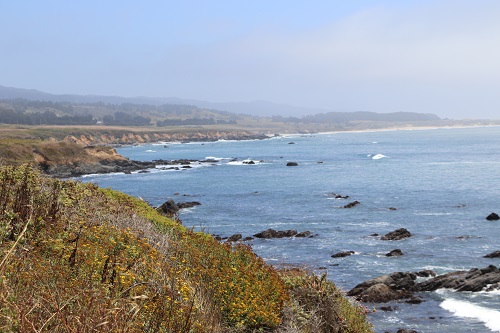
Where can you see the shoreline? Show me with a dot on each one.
(392, 129)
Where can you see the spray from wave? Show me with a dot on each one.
(490, 318)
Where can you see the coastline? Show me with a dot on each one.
(392, 129)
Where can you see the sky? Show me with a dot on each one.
(439, 56)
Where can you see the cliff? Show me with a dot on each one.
(74, 152)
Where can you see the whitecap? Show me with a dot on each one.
(150, 151)
(214, 158)
(490, 317)
(378, 156)
(244, 162)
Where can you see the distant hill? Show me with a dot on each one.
(158, 108)
(254, 108)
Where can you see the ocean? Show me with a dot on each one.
(440, 184)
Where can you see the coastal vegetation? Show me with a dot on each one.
(78, 258)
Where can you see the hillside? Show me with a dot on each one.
(75, 257)
(32, 107)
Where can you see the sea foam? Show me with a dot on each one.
(490, 318)
(378, 157)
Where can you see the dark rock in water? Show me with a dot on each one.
(385, 288)
(397, 234)
(248, 162)
(374, 235)
(473, 280)
(467, 237)
(170, 207)
(271, 233)
(388, 308)
(381, 293)
(343, 254)
(186, 167)
(188, 204)
(303, 234)
(404, 330)
(395, 253)
(292, 164)
(143, 171)
(337, 196)
(395, 286)
(392, 208)
(414, 300)
(217, 237)
(246, 239)
(234, 238)
(352, 204)
(291, 143)
(493, 287)
(495, 254)
(493, 217)
(426, 273)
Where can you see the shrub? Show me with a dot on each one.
(75, 257)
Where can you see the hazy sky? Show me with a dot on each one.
(439, 56)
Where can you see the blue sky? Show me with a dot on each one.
(438, 56)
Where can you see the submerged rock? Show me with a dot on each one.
(343, 254)
(337, 196)
(495, 254)
(352, 204)
(395, 253)
(304, 234)
(271, 233)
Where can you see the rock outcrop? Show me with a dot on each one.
(343, 254)
(395, 253)
(234, 238)
(398, 234)
(495, 254)
(475, 279)
(385, 288)
(271, 233)
(352, 204)
(493, 217)
(171, 208)
(402, 285)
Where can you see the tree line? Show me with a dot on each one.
(43, 118)
(26, 112)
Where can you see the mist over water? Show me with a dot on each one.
(442, 184)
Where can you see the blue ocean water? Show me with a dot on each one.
(442, 182)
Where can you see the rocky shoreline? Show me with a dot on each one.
(122, 137)
(97, 155)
